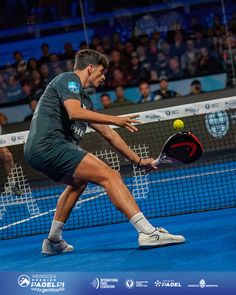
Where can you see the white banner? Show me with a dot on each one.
(152, 116)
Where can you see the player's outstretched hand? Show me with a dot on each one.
(147, 164)
(127, 122)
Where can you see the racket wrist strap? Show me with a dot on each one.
(139, 162)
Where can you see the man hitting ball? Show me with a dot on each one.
(60, 120)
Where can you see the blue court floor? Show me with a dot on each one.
(210, 246)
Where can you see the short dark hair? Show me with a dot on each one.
(105, 94)
(89, 56)
(44, 45)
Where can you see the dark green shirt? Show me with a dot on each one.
(51, 123)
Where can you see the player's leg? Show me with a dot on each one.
(54, 244)
(93, 169)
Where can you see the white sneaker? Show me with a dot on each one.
(158, 238)
(53, 248)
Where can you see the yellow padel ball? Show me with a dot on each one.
(178, 124)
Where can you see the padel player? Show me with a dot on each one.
(59, 123)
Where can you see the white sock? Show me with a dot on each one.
(55, 234)
(141, 224)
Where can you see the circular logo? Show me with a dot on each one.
(23, 281)
(13, 138)
(202, 283)
(129, 283)
(217, 123)
(167, 113)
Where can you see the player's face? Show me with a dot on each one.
(97, 75)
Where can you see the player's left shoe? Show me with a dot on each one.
(53, 248)
(160, 237)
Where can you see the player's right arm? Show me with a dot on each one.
(76, 112)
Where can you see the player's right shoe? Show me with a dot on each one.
(53, 248)
(160, 237)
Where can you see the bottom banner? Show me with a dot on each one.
(72, 283)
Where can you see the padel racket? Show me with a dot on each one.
(180, 148)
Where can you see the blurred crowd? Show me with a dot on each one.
(176, 55)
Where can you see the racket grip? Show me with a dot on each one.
(163, 160)
(157, 161)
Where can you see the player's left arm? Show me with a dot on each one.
(121, 146)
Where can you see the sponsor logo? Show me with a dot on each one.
(167, 284)
(202, 284)
(2, 141)
(42, 283)
(231, 103)
(173, 112)
(212, 105)
(74, 87)
(104, 283)
(217, 124)
(95, 283)
(153, 117)
(129, 284)
(23, 281)
(191, 110)
(13, 138)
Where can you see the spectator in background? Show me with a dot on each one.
(106, 44)
(165, 47)
(95, 42)
(116, 61)
(128, 50)
(189, 59)
(13, 90)
(163, 91)
(55, 64)
(26, 89)
(137, 72)
(7, 160)
(120, 100)
(106, 101)
(36, 81)
(69, 52)
(146, 94)
(45, 73)
(100, 49)
(196, 87)
(3, 88)
(118, 79)
(178, 48)
(18, 57)
(195, 25)
(32, 65)
(45, 58)
(141, 51)
(83, 45)
(32, 104)
(152, 51)
(69, 64)
(174, 71)
(161, 65)
(200, 40)
(207, 64)
(217, 27)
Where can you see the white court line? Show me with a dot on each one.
(193, 175)
(48, 212)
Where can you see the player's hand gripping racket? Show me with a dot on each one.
(182, 147)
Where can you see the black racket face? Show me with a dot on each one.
(183, 147)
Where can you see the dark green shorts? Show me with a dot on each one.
(58, 161)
